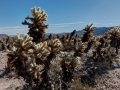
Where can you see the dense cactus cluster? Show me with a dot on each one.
(31, 56)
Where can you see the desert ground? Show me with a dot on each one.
(10, 82)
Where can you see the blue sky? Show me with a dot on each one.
(63, 15)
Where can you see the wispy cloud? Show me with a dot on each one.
(24, 29)
(51, 25)
(68, 23)
(115, 20)
(11, 30)
(13, 27)
(65, 24)
(110, 24)
(96, 23)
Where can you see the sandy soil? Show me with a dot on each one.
(112, 78)
(6, 81)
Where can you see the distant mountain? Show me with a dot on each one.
(21, 35)
(97, 31)
(3, 35)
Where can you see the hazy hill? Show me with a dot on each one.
(98, 31)
(3, 35)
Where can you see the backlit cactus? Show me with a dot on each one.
(68, 65)
(54, 45)
(79, 49)
(23, 43)
(40, 50)
(34, 69)
(37, 27)
(88, 33)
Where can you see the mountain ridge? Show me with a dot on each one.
(97, 31)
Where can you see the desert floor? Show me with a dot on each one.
(8, 82)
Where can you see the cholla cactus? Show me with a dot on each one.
(92, 41)
(88, 32)
(71, 35)
(40, 15)
(103, 55)
(68, 40)
(12, 56)
(68, 58)
(65, 56)
(115, 38)
(115, 32)
(31, 59)
(13, 50)
(88, 37)
(104, 40)
(17, 56)
(75, 61)
(79, 49)
(40, 50)
(54, 45)
(110, 55)
(68, 45)
(68, 65)
(52, 87)
(96, 39)
(111, 51)
(23, 43)
(3, 44)
(34, 69)
(37, 28)
(107, 54)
